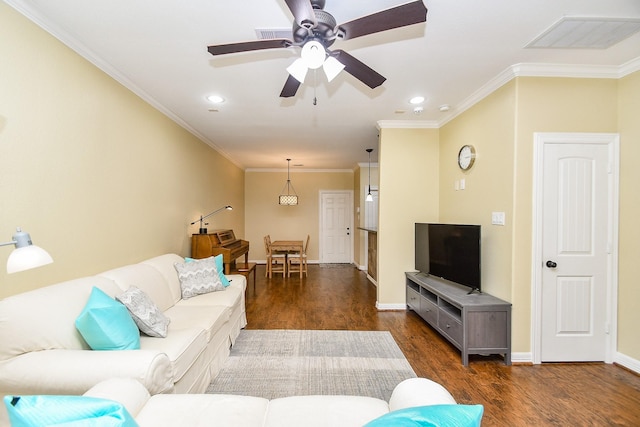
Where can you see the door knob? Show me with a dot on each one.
(551, 264)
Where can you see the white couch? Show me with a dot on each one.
(41, 352)
(224, 410)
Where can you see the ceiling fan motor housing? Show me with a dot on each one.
(323, 32)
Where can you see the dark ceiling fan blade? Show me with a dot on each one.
(223, 49)
(399, 16)
(359, 69)
(302, 12)
(290, 87)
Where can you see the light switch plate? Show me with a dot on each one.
(497, 218)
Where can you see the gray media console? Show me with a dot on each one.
(475, 323)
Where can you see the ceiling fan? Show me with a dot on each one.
(315, 30)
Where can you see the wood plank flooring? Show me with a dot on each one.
(341, 298)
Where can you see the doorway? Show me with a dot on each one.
(336, 227)
(575, 247)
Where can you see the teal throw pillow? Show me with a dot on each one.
(432, 416)
(219, 266)
(68, 411)
(105, 324)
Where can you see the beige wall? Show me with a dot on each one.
(96, 175)
(629, 243)
(264, 216)
(489, 126)
(409, 185)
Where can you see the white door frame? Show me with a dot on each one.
(613, 141)
(321, 214)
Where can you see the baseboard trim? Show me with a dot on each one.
(522, 358)
(389, 307)
(627, 362)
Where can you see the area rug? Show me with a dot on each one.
(279, 363)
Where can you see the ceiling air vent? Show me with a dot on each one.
(586, 33)
(274, 33)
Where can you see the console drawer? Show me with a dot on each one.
(450, 326)
(429, 311)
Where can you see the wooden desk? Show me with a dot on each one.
(288, 246)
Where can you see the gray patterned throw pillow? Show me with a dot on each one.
(144, 312)
(198, 277)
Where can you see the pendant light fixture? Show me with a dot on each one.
(369, 196)
(288, 199)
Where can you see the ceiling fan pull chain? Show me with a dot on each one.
(315, 86)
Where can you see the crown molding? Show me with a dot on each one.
(407, 124)
(542, 70)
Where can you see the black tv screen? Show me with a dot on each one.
(449, 251)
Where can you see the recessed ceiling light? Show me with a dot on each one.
(444, 107)
(216, 99)
(416, 100)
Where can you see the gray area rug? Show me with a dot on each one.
(280, 363)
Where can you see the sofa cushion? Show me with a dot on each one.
(432, 415)
(209, 318)
(198, 277)
(312, 411)
(51, 410)
(144, 312)
(144, 277)
(106, 324)
(182, 346)
(164, 264)
(204, 410)
(229, 297)
(31, 321)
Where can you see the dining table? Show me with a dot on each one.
(288, 247)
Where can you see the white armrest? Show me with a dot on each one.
(76, 371)
(419, 392)
(127, 391)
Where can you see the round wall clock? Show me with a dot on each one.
(466, 157)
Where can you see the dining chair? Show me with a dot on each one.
(275, 262)
(297, 262)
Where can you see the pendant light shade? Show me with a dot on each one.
(369, 197)
(288, 199)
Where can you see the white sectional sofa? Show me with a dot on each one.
(41, 351)
(224, 410)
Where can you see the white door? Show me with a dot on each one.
(336, 227)
(576, 249)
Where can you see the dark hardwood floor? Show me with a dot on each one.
(341, 298)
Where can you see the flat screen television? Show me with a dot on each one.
(449, 251)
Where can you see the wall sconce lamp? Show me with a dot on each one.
(369, 197)
(26, 255)
(204, 230)
(288, 199)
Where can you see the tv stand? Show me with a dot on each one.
(474, 323)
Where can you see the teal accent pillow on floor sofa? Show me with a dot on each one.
(67, 411)
(432, 416)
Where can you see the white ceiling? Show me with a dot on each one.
(158, 49)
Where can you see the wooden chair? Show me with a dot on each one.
(298, 262)
(275, 262)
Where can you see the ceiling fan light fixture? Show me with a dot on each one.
(298, 70)
(332, 67)
(215, 99)
(313, 54)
